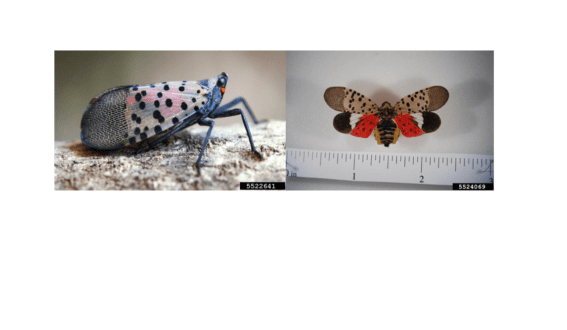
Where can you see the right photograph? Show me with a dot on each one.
(390, 120)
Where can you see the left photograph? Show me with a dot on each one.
(130, 120)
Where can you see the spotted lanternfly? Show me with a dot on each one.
(128, 115)
(411, 115)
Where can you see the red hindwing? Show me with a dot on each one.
(407, 126)
(365, 126)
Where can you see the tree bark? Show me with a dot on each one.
(228, 160)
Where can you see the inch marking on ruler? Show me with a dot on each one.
(438, 169)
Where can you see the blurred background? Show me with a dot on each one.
(259, 77)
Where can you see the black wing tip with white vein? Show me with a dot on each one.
(342, 122)
(430, 122)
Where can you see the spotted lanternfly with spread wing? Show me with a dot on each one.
(129, 115)
(411, 115)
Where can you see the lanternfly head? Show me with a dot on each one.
(222, 79)
(386, 105)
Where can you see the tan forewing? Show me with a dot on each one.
(348, 100)
(427, 99)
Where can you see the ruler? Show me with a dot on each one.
(437, 169)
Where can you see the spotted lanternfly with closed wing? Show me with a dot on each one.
(129, 115)
(411, 115)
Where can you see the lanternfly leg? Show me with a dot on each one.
(235, 102)
(211, 124)
(220, 113)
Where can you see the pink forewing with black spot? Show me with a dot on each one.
(152, 109)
